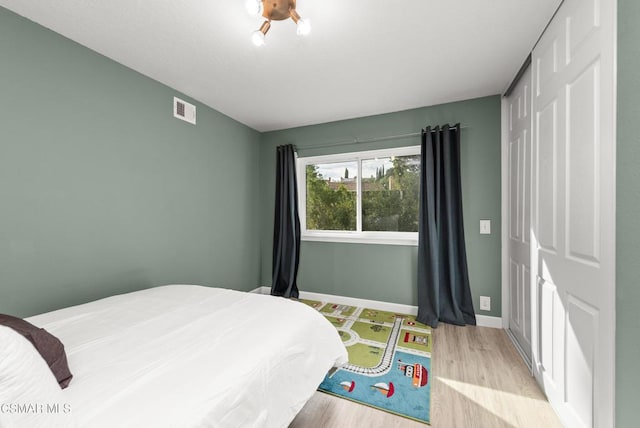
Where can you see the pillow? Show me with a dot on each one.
(49, 347)
(29, 394)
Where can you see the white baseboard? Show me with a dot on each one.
(481, 320)
(488, 321)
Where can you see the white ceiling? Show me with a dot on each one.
(363, 57)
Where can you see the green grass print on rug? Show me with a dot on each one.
(389, 359)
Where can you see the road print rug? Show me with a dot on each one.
(389, 360)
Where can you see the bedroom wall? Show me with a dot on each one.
(627, 209)
(102, 190)
(388, 272)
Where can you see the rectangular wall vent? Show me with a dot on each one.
(183, 110)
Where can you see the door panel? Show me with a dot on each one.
(514, 190)
(583, 166)
(514, 279)
(546, 65)
(547, 189)
(580, 345)
(526, 168)
(519, 221)
(548, 294)
(573, 248)
(581, 23)
(526, 326)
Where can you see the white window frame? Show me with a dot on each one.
(357, 236)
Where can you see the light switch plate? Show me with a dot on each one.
(485, 227)
(485, 303)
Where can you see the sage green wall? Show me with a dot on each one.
(102, 190)
(627, 209)
(388, 272)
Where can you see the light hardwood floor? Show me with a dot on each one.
(479, 380)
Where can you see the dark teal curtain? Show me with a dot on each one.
(444, 293)
(286, 228)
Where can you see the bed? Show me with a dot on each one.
(189, 356)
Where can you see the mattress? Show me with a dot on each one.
(191, 356)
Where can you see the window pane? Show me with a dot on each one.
(331, 196)
(391, 193)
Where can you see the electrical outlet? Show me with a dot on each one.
(485, 227)
(485, 303)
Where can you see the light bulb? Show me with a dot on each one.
(304, 27)
(254, 7)
(257, 37)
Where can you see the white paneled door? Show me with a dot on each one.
(519, 215)
(573, 205)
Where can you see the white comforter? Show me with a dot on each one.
(190, 356)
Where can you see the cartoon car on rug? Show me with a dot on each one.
(420, 339)
(417, 372)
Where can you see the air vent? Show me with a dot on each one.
(183, 110)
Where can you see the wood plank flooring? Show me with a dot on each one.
(479, 380)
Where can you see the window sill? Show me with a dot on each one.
(379, 238)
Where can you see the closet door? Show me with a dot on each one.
(519, 214)
(573, 212)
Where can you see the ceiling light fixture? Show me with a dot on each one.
(257, 37)
(276, 10)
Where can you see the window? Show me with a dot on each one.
(370, 197)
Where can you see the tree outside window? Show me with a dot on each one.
(389, 193)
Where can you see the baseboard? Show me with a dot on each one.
(488, 321)
(482, 320)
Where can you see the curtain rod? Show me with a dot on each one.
(365, 141)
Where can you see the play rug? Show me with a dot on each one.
(389, 360)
